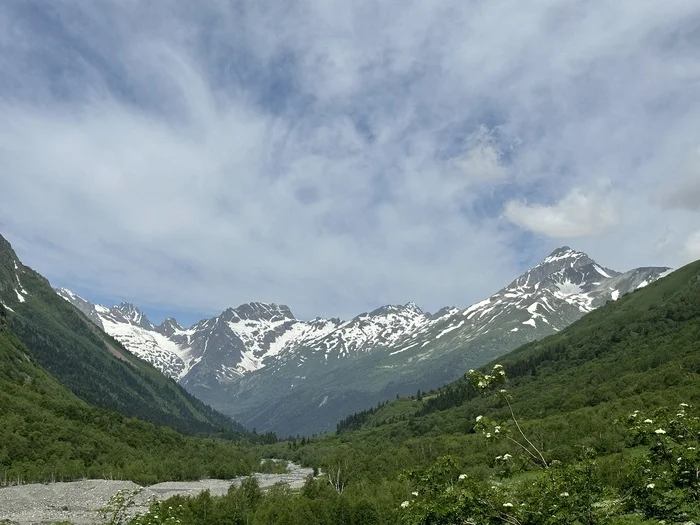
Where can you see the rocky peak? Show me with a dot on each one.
(129, 313)
(257, 311)
(169, 327)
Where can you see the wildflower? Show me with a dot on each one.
(691, 448)
(479, 418)
(405, 504)
(502, 390)
(684, 405)
(648, 421)
(506, 457)
(564, 494)
(496, 367)
(651, 486)
(482, 384)
(499, 458)
(488, 435)
(497, 430)
(507, 504)
(660, 431)
(462, 476)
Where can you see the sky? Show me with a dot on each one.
(336, 156)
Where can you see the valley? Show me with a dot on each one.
(270, 371)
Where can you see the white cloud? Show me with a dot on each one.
(692, 246)
(482, 160)
(335, 155)
(578, 214)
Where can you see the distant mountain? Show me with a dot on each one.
(93, 365)
(275, 372)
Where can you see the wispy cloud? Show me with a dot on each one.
(336, 156)
(578, 214)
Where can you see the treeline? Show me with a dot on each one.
(356, 420)
(48, 434)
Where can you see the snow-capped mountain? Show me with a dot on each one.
(248, 360)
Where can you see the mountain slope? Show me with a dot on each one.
(571, 390)
(48, 433)
(90, 363)
(260, 364)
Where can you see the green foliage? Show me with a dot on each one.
(48, 434)
(95, 367)
(271, 466)
(666, 482)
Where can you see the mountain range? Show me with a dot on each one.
(269, 370)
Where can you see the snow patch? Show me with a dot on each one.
(451, 328)
(403, 349)
(615, 295)
(476, 306)
(325, 400)
(601, 271)
(531, 322)
(20, 297)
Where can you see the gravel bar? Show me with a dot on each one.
(79, 502)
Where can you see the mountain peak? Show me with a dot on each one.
(132, 315)
(257, 311)
(562, 253)
(169, 327)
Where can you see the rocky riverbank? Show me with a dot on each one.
(79, 502)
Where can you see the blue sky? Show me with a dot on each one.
(335, 156)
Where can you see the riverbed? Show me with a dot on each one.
(79, 502)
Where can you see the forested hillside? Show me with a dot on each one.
(90, 363)
(640, 351)
(47, 433)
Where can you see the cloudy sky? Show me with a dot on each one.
(336, 156)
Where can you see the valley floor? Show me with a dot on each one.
(80, 502)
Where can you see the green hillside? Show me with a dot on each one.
(604, 429)
(571, 392)
(95, 367)
(47, 433)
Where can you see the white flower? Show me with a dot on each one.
(497, 430)
(684, 405)
(499, 458)
(651, 486)
(507, 504)
(471, 370)
(405, 504)
(648, 421)
(482, 384)
(660, 431)
(506, 457)
(691, 448)
(502, 390)
(462, 476)
(488, 377)
(479, 418)
(488, 435)
(564, 494)
(496, 367)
